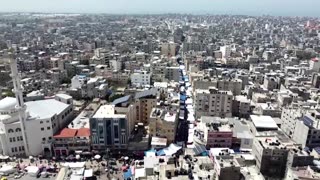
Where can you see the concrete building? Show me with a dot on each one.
(290, 117)
(168, 49)
(145, 101)
(307, 130)
(315, 80)
(261, 124)
(68, 141)
(163, 123)
(213, 102)
(270, 83)
(109, 129)
(214, 133)
(241, 107)
(124, 105)
(140, 78)
(226, 167)
(225, 51)
(172, 73)
(271, 156)
(314, 64)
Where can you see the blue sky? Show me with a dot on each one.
(250, 7)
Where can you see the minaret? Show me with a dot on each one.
(21, 107)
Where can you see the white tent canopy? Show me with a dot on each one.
(173, 148)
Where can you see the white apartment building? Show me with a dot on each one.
(307, 130)
(226, 51)
(140, 78)
(314, 64)
(289, 118)
(213, 102)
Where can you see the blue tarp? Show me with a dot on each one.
(127, 174)
(183, 97)
(151, 150)
(161, 152)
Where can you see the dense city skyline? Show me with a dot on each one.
(243, 7)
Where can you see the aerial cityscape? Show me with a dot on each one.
(159, 96)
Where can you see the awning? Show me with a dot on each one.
(199, 149)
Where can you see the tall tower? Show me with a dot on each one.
(21, 107)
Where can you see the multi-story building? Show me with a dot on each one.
(271, 156)
(172, 73)
(316, 80)
(213, 102)
(270, 83)
(109, 129)
(214, 133)
(140, 78)
(241, 106)
(124, 105)
(163, 123)
(70, 140)
(307, 130)
(168, 49)
(145, 101)
(314, 64)
(226, 167)
(289, 118)
(226, 51)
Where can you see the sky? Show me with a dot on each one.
(243, 7)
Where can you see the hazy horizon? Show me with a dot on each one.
(243, 7)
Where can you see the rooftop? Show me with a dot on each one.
(263, 122)
(45, 108)
(107, 111)
(66, 133)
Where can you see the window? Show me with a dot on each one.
(22, 148)
(16, 149)
(43, 139)
(10, 131)
(14, 139)
(12, 149)
(21, 138)
(48, 128)
(18, 138)
(10, 139)
(19, 148)
(18, 130)
(41, 122)
(42, 129)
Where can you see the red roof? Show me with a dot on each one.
(66, 133)
(83, 132)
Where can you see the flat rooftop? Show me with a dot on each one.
(107, 111)
(263, 122)
(227, 161)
